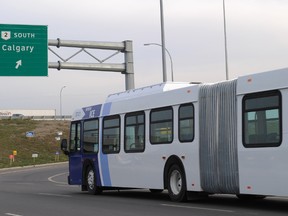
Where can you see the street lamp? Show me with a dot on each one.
(61, 101)
(225, 41)
(163, 42)
(170, 57)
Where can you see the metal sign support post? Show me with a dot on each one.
(124, 47)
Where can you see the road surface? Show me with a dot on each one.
(43, 191)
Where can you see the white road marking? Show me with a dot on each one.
(56, 195)
(199, 208)
(67, 185)
(57, 182)
(10, 214)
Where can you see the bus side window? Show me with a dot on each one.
(186, 123)
(134, 132)
(161, 125)
(75, 132)
(262, 119)
(111, 134)
(91, 136)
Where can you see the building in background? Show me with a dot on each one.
(25, 112)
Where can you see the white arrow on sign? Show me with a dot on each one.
(18, 63)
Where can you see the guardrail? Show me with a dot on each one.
(63, 117)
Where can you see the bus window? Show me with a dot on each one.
(161, 125)
(134, 132)
(111, 134)
(186, 123)
(75, 132)
(262, 119)
(91, 136)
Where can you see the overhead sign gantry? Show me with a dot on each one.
(24, 52)
(124, 47)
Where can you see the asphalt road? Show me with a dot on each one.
(43, 191)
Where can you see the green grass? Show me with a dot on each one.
(13, 138)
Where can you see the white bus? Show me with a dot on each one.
(191, 139)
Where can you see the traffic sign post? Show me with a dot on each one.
(23, 50)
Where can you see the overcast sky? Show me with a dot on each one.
(257, 37)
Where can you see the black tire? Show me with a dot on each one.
(91, 182)
(177, 184)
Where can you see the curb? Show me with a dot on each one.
(32, 166)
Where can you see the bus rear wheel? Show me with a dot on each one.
(91, 182)
(176, 184)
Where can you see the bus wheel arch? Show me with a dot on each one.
(85, 166)
(175, 179)
(89, 178)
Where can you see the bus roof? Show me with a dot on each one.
(148, 90)
(265, 81)
(148, 97)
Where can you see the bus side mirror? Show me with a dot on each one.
(64, 146)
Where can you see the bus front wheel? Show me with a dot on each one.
(176, 184)
(91, 181)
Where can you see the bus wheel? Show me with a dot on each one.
(91, 182)
(176, 184)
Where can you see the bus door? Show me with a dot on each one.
(75, 156)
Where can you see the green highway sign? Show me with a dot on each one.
(23, 50)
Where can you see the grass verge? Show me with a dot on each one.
(43, 145)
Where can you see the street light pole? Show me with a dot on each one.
(225, 42)
(163, 42)
(170, 57)
(61, 101)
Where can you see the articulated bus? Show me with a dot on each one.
(191, 139)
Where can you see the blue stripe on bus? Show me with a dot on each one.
(97, 172)
(105, 170)
(106, 109)
(104, 158)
